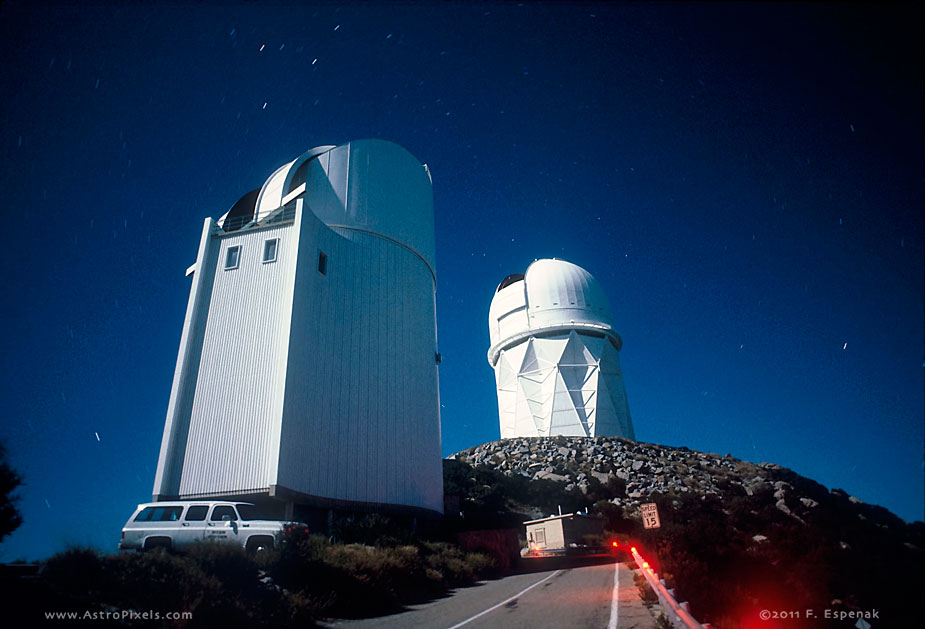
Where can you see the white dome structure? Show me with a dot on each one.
(307, 373)
(556, 355)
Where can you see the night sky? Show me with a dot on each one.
(745, 181)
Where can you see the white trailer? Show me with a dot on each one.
(571, 533)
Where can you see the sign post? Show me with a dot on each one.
(650, 515)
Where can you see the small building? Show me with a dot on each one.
(557, 533)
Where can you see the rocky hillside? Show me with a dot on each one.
(648, 469)
(763, 535)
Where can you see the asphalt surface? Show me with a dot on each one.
(564, 595)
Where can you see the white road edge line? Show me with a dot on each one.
(614, 615)
(504, 602)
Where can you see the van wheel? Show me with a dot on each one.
(258, 544)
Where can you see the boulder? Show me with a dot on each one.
(604, 478)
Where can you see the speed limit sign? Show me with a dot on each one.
(650, 516)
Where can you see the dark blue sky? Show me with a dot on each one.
(744, 180)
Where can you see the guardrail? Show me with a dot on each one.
(678, 613)
(238, 223)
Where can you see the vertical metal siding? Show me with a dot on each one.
(361, 416)
(176, 427)
(234, 422)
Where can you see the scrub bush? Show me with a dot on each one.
(306, 579)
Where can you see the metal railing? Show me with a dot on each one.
(678, 613)
(285, 214)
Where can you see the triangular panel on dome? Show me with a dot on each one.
(621, 408)
(591, 420)
(575, 377)
(575, 352)
(612, 407)
(572, 379)
(535, 406)
(529, 362)
(564, 407)
(514, 355)
(549, 350)
(589, 397)
(523, 416)
(539, 420)
(507, 400)
(505, 375)
(536, 395)
(532, 390)
(606, 425)
(538, 376)
(626, 425)
(604, 395)
(610, 359)
(572, 429)
(591, 377)
(614, 385)
(567, 422)
(595, 345)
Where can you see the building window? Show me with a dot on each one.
(233, 257)
(270, 249)
(322, 263)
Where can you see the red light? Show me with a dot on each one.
(645, 564)
(633, 549)
(614, 544)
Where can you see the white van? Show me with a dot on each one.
(179, 524)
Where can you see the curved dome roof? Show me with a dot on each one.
(561, 291)
(553, 295)
(367, 185)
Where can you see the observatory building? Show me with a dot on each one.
(307, 371)
(556, 355)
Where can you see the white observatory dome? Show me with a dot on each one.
(307, 376)
(556, 355)
(552, 295)
(367, 185)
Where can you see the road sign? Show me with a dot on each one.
(650, 515)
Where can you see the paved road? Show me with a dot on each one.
(582, 596)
